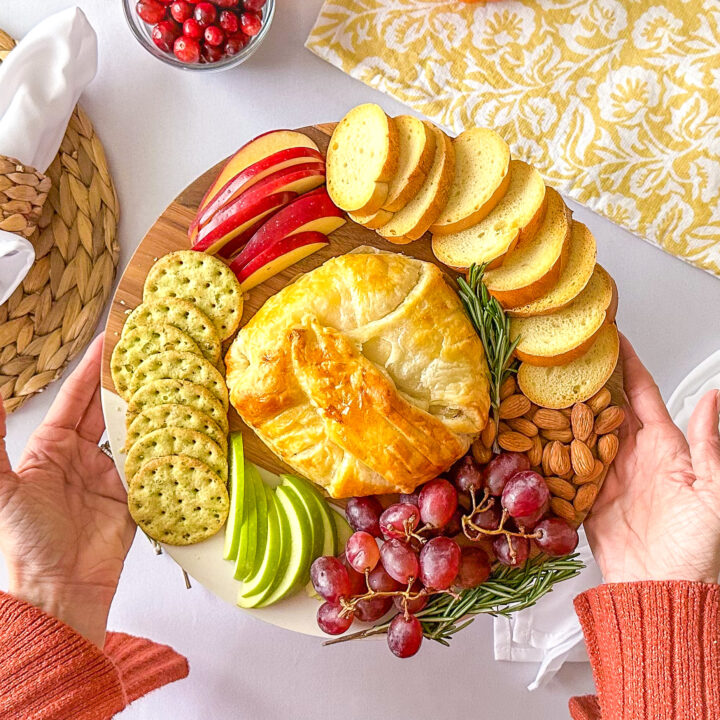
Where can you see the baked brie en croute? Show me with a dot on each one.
(365, 375)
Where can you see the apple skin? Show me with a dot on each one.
(241, 213)
(234, 246)
(277, 257)
(251, 175)
(312, 212)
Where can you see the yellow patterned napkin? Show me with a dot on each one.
(617, 103)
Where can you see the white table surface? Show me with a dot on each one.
(161, 128)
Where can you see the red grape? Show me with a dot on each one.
(400, 561)
(380, 581)
(474, 568)
(415, 605)
(454, 524)
(150, 11)
(164, 35)
(501, 468)
(528, 522)
(437, 502)
(399, 519)
(404, 635)
(525, 493)
(467, 475)
(411, 498)
(488, 519)
(510, 550)
(250, 23)
(330, 620)
(330, 578)
(439, 563)
(361, 551)
(556, 537)
(358, 585)
(372, 609)
(363, 513)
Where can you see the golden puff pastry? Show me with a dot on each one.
(364, 375)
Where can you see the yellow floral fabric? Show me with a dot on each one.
(616, 102)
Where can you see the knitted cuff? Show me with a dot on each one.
(23, 191)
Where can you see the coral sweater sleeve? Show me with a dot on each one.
(654, 648)
(50, 672)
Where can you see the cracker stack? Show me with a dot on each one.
(168, 367)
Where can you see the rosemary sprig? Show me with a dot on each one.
(493, 327)
(506, 591)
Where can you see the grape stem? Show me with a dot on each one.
(500, 530)
(348, 606)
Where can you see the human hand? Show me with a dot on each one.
(658, 514)
(64, 525)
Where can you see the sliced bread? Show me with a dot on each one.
(372, 221)
(565, 385)
(482, 164)
(562, 336)
(517, 216)
(534, 266)
(415, 158)
(573, 278)
(361, 159)
(420, 213)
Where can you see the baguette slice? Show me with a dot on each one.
(415, 158)
(573, 278)
(419, 214)
(482, 164)
(563, 386)
(516, 217)
(564, 335)
(372, 221)
(361, 159)
(534, 267)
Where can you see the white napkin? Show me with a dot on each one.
(549, 633)
(40, 83)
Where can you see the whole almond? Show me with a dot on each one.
(598, 402)
(514, 442)
(546, 459)
(514, 406)
(529, 414)
(559, 458)
(535, 453)
(489, 434)
(524, 426)
(607, 448)
(591, 442)
(567, 412)
(598, 469)
(562, 508)
(582, 421)
(585, 497)
(564, 436)
(509, 387)
(481, 452)
(569, 475)
(503, 427)
(609, 419)
(581, 458)
(547, 419)
(561, 488)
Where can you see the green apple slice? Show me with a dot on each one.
(248, 532)
(298, 548)
(254, 590)
(237, 490)
(261, 524)
(344, 531)
(321, 510)
(303, 491)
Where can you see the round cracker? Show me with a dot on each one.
(177, 392)
(140, 343)
(178, 500)
(185, 316)
(203, 279)
(176, 441)
(183, 416)
(174, 365)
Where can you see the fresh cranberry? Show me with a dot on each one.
(205, 14)
(212, 54)
(254, 5)
(187, 49)
(181, 10)
(214, 35)
(250, 23)
(229, 22)
(164, 35)
(235, 43)
(226, 3)
(192, 29)
(150, 11)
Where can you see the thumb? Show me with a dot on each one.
(704, 438)
(4, 459)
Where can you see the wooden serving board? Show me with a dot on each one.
(169, 233)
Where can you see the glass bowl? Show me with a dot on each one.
(141, 31)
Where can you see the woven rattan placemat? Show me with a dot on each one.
(52, 315)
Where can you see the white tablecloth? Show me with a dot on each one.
(161, 128)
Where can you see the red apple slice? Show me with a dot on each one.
(313, 212)
(279, 256)
(249, 176)
(232, 248)
(236, 217)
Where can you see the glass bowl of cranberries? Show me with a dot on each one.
(200, 34)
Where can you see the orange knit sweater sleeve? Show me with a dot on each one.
(654, 648)
(49, 672)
